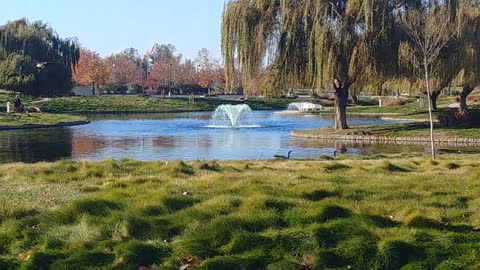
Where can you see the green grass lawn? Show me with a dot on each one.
(421, 129)
(412, 108)
(24, 119)
(150, 104)
(373, 213)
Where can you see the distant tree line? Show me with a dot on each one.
(35, 61)
(159, 71)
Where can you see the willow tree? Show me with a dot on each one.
(313, 43)
(468, 58)
(35, 60)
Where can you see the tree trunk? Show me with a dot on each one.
(429, 95)
(341, 100)
(463, 99)
(93, 90)
(433, 98)
(355, 99)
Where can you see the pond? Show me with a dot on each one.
(187, 136)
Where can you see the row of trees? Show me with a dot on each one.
(34, 60)
(157, 71)
(350, 46)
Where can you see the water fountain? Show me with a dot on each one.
(299, 107)
(231, 116)
(303, 107)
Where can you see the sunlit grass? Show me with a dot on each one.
(23, 119)
(412, 130)
(150, 104)
(362, 214)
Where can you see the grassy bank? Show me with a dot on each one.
(402, 130)
(408, 131)
(150, 104)
(15, 120)
(345, 214)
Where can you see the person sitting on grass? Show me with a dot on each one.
(18, 104)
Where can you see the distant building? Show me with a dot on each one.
(85, 91)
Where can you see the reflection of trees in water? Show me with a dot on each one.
(204, 143)
(150, 116)
(35, 145)
(164, 141)
(85, 146)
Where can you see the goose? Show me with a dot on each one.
(284, 157)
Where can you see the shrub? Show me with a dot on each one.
(473, 99)
(451, 118)
(388, 102)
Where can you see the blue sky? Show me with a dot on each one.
(109, 26)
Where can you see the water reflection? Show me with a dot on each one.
(35, 145)
(182, 136)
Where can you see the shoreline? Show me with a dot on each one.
(67, 124)
(376, 139)
(141, 112)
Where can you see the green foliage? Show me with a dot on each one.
(309, 43)
(34, 60)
